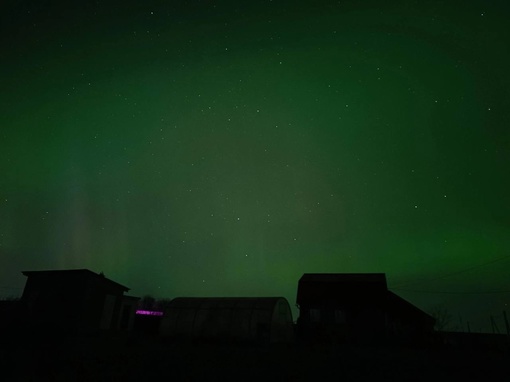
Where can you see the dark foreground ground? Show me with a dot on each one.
(144, 359)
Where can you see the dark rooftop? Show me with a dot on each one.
(345, 277)
(67, 272)
(317, 288)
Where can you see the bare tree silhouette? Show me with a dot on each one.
(444, 320)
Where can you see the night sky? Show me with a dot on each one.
(224, 148)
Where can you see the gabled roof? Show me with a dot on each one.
(375, 278)
(73, 272)
(403, 308)
(319, 288)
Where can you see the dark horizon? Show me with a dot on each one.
(444, 317)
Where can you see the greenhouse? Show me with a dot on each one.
(229, 319)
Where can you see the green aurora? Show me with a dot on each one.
(218, 148)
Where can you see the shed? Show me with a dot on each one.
(76, 300)
(229, 319)
(356, 307)
(341, 306)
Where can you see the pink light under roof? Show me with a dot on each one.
(149, 313)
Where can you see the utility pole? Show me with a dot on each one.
(506, 323)
(494, 326)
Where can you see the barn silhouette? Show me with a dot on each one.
(357, 307)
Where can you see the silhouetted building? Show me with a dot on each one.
(406, 322)
(11, 315)
(356, 307)
(229, 319)
(76, 301)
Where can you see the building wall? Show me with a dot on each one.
(361, 324)
(71, 301)
(104, 304)
(340, 323)
(127, 313)
(355, 307)
(54, 304)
